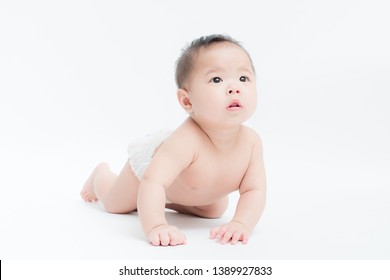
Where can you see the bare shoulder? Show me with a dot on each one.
(182, 143)
(188, 134)
(175, 154)
(252, 137)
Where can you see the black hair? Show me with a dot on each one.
(185, 63)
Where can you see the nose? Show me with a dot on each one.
(232, 90)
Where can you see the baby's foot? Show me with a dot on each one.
(87, 192)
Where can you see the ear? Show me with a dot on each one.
(184, 100)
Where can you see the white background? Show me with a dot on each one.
(80, 79)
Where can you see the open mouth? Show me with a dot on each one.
(234, 105)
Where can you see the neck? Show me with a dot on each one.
(222, 138)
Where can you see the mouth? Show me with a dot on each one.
(234, 105)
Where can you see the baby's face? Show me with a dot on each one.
(222, 86)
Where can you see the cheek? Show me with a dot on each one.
(254, 100)
(206, 104)
(252, 95)
(206, 99)
(210, 109)
(253, 103)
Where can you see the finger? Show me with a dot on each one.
(174, 239)
(236, 237)
(222, 231)
(182, 239)
(226, 237)
(164, 239)
(154, 239)
(245, 238)
(177, 238)
(213, 233)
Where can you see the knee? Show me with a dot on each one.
(117, 209)
(214, 211)
(112, 209)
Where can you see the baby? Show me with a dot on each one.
(193, 169)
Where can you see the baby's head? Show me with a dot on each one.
(216, 82)
(186, 61)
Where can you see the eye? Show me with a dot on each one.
(244, 79)
(216, 80)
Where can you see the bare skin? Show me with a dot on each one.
(209, 156)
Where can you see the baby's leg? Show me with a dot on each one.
(211, 211)
(118, 194)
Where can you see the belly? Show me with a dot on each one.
(199, 190)
(210, 178)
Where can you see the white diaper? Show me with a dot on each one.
(141, 151)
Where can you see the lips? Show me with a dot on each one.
(234, 105)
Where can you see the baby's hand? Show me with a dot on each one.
(232, 232)
(166, 235)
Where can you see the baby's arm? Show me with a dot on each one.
(170, 159)
(250, 205)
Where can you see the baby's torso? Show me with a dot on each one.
(212, 175)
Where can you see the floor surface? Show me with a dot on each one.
(344, 215)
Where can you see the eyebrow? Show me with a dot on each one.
(219, 69)
(246, 69)
(214, 70)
